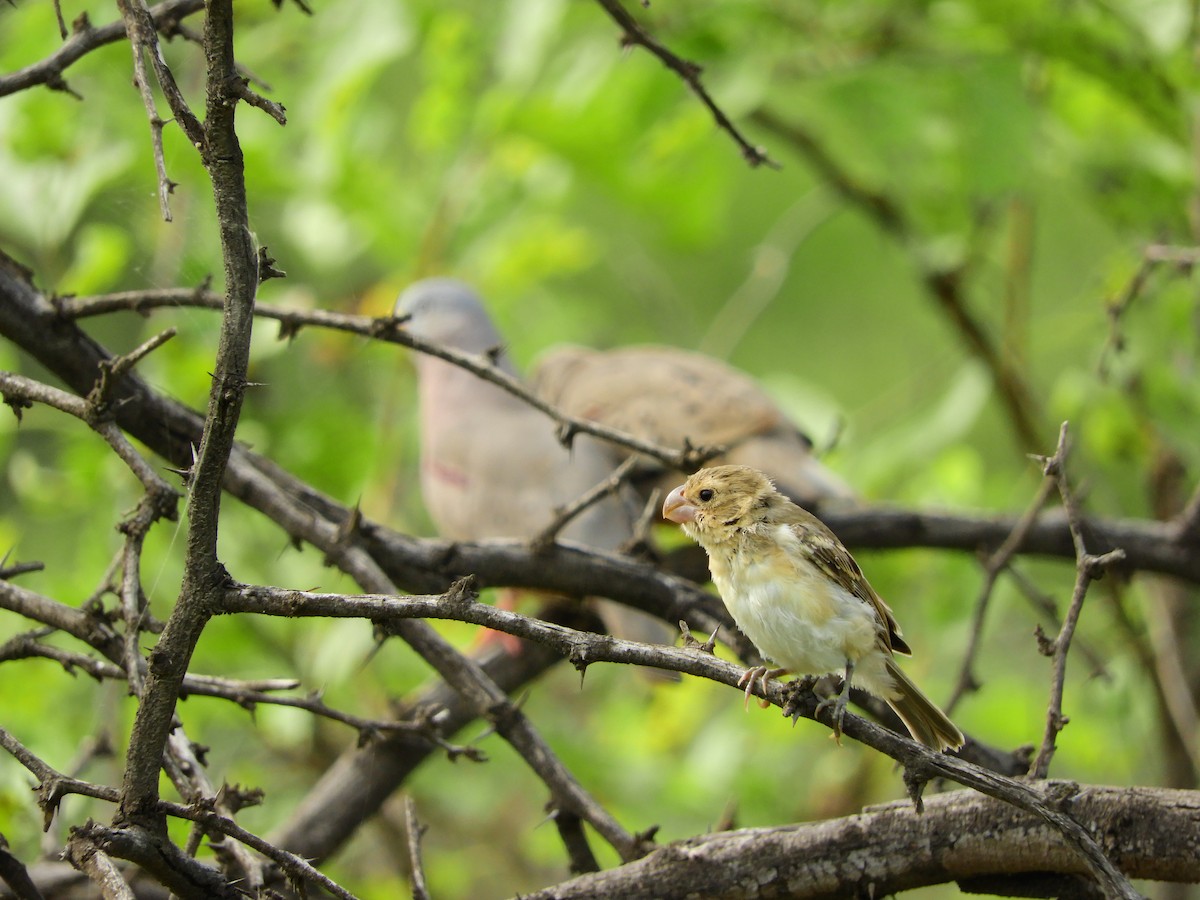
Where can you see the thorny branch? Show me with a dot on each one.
(53, 786)
(1088, 568)
(689, 73)
(996, 563)
(390, 329)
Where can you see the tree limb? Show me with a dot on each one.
(947, 842)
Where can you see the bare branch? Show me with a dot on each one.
(689, 73)
(995, 564)
(387, 328)
(14, 874)
(588, 499)
(84, 853)
(136, 20)
(1087, 568)
(217, 142)
(413, 831)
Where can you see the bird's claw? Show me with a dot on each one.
(838, 703)
(761, 674)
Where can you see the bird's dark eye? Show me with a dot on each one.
(706, 494)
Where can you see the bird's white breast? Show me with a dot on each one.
(793, 612)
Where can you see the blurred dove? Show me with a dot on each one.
(491, 464)
(798, 594)
(669, 395)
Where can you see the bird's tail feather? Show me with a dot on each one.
(925, 722)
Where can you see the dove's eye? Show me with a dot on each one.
(706, 494)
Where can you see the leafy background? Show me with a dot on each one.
(588, 195)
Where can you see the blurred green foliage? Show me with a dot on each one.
(587, 193)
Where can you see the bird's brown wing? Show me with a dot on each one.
(828, 554)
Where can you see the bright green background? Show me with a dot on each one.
(586, 192)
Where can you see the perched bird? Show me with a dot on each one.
(799, 596)
(669, 395)
(491, 464)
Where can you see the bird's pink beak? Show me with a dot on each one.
(676, 508)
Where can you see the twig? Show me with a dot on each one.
(1153, 256)
(137, 20)
(161, 496)
(689, 73)
(574, 838)
(62, 23)
(1087, 569)
(389, 329)
(1044, 605)
(275, 110)
(567, 514)
(413, 831)
(995, 564)
(17, 569)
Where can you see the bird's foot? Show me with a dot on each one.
(838, 703)
(761, 674)
(793, 689)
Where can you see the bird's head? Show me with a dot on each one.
(447, 312)
(717, 501)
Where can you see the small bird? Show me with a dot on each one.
(798, 594)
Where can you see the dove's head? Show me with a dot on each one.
(717, 501)
(447, 312)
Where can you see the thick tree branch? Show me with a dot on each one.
(960, 836)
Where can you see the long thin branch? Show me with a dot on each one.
(689, 73)
(1088, 567)
(1149, 545)
(137, 24)
(389, 329)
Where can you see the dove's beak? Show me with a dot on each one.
(676, 508)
